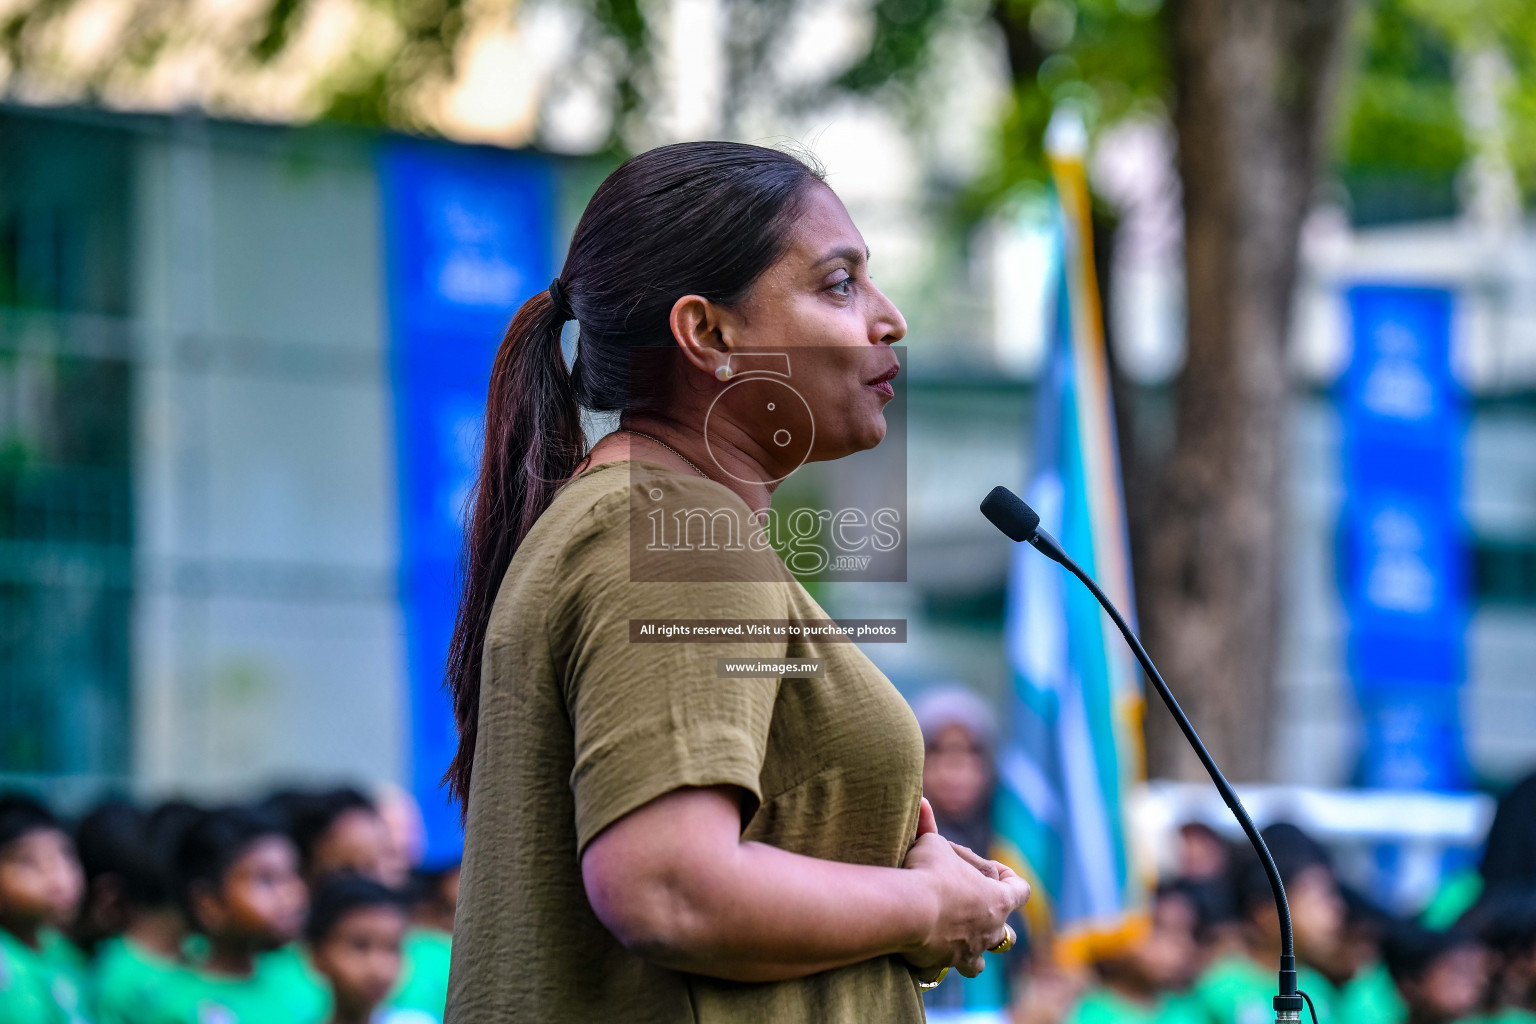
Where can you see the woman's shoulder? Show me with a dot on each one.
(658, 525)
(631, 479)
(609, 490)
(590, 506)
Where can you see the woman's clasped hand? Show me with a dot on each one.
(972, 898)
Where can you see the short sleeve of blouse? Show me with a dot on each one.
(652, 716)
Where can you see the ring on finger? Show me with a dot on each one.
(1008, 940)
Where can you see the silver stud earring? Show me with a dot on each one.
(723, 372)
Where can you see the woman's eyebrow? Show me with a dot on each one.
(852, 254)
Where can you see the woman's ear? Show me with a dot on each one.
(700, 329)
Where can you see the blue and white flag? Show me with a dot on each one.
(1074, 750)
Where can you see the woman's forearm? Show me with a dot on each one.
(674, 882)
(766, 915)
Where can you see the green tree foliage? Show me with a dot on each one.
(1104, 56)
(1403, 101)
(1509, 27)
(1400, 140)
(380, 92)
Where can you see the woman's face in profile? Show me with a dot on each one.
(818, 310)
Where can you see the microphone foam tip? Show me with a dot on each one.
(1008, 512)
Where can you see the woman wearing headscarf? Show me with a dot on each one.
(959, 776)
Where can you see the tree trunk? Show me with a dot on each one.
(1253, 81)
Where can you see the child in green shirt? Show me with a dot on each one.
(238, 881)
(41, 972)
(423, 985)
(1441, 975)
(428, 947)
(1239, 988)
(1137, 988)
(131, 916)
(337, 832)
(1366, 992)
(1505, 921)
(355, 933)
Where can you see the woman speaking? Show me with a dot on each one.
(647, 841)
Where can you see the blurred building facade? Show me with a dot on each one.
(230, 613)
(200, 545)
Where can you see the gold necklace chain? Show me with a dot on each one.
(674, 451)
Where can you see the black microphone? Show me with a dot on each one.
(1009, 513)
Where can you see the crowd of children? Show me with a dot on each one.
(1210, 947)
(1211, 953)
(301, 909)
(304, 909)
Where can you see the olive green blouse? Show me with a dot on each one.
(580, 724)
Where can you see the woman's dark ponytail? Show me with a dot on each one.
(701, 218)
(533, 443)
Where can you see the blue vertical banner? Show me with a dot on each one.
(468, 238)
(1403, 556)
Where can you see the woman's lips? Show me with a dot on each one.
(882, 383)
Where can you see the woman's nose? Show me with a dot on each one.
(889, 326)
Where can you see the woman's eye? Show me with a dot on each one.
(841, 287)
